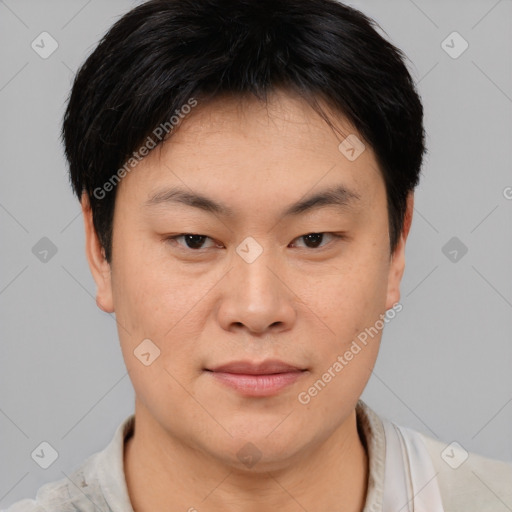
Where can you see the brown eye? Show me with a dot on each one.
(191, 241)
(314, 240)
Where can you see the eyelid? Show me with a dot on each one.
(335, 235)
(184, 247)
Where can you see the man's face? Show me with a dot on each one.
(255, 287)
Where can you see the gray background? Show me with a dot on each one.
(444, 366)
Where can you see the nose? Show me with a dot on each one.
(257, 297)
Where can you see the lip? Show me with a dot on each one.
(248, 378)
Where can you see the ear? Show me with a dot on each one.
(100, 268)
(397, 265)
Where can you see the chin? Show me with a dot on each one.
(260, 445)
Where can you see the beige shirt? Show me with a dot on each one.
(465, 482)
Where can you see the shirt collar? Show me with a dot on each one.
(371, 432)
(109, 463)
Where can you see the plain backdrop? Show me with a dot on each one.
(445, 360)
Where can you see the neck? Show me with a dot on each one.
(164, 474)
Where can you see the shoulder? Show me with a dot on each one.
(69, 494)
(468, 481)
(50, 496)
(98, 480)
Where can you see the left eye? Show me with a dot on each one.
(195, 242)
(315, 239)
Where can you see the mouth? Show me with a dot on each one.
(266, 378)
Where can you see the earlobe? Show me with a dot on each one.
(397, 265)
(100, 267)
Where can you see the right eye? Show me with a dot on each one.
(192, 241)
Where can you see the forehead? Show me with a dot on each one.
(284, 124)
(238, 148)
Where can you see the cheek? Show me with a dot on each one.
(154, 303)
(349, 305)
(350, 310)
(155, 299)
(349, 299)
(150, 293)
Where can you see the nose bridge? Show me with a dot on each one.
(257, 297)
(257, 268)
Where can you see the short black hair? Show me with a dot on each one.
(162, 53)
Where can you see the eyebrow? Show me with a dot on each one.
(337, 195)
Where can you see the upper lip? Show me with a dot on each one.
(253, 368)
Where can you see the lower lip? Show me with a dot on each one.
(257, 385)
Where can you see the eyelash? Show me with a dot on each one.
(336, 236)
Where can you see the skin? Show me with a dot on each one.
(299, 303)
